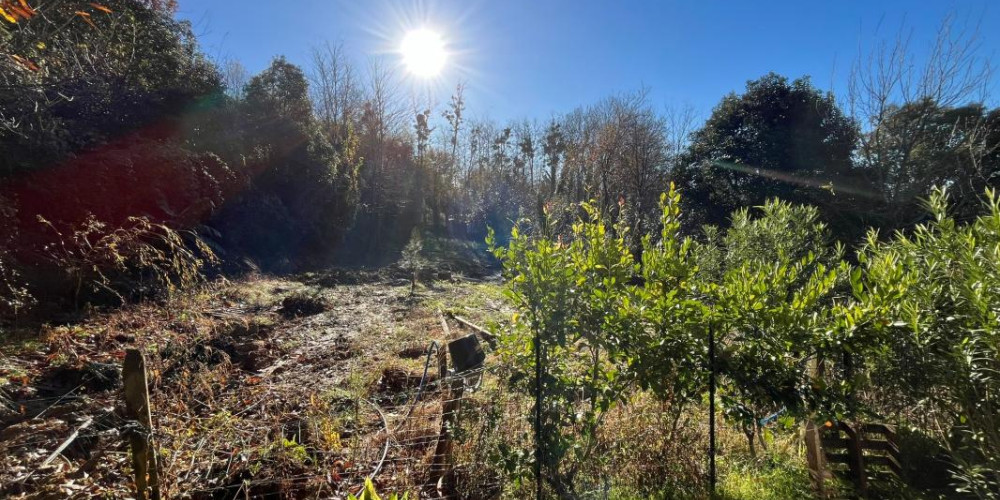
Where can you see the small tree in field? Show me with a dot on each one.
(575, 309)
(595, 323)
(411, 259)
(593, 326)
(770, 281)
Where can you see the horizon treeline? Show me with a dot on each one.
(120, 141)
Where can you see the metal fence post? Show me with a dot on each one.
(538, 415)
(711, 409)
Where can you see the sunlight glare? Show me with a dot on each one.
(423, 52)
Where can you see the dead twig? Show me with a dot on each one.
(72, 437)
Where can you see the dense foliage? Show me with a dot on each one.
(131, 165)
(109, 109)
(798, 330)
(778, 139)
(107, 135)
(939, 362)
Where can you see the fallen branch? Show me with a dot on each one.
(487, 336)
(72, 437)
(385, 449)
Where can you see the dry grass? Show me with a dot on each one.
(246, 401)
(249, 402)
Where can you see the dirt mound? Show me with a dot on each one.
(300, 304)
(413, 351)
(396, 385)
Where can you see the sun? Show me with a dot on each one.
(423, 52)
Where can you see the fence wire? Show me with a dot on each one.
(464, 435)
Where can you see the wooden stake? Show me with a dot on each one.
(442, 463)
(814, 457)
(443, 351)
(711, 410)
(147, 475)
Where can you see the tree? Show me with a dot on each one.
(423, 175)
(553, 150)
(234, 78)
(937, 288)
(455, 116)
(778, 139)
(412, 260)
(769, 281)
(564, 347)
(926, 145)
(336, 92)
(141, 66)
(305, 182)
(924, 124)
(594, 326)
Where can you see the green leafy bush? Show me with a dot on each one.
(576, 313)
(770, 283)
(798, 330)
(939, 366)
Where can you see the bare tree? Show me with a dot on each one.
(234, 78)
(335, 89)
(897, 98)
(679, 122)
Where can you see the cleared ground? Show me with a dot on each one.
(260, 384)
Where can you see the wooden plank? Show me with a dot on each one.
(880, 445)
(835, 442)
(883, 429)
(70, 439)
(487, 336)
(838, 458)
(885, 461)
(147, 478)
(857, 460)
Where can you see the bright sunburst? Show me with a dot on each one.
(423, 52)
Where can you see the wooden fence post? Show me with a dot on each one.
(856, 458)
(451, 391)
(147, 475)
(815, 458)
(443, 351)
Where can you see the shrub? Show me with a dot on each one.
(596, 324)
(771, 282)
(139, 260)
(941, 354)
(14, 295)
(574, 312)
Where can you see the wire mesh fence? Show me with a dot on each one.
(442, 432)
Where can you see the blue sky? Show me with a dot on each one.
(536, 58)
